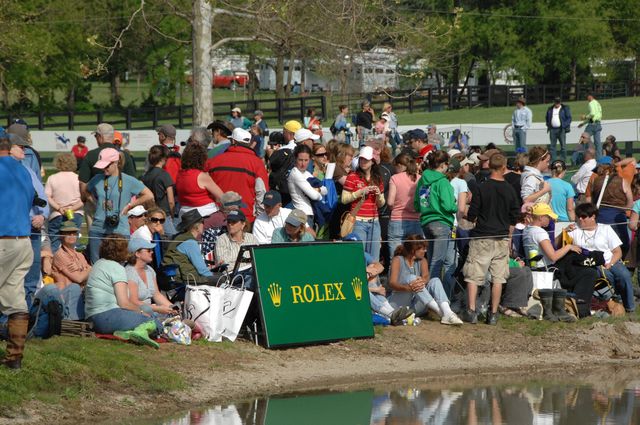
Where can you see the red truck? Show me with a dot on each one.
(230, 79)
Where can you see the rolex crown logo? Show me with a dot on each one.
(356, 284)
(275, 292)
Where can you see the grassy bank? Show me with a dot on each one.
(110, 378)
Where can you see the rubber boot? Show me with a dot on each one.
(559, 310)
(546, 299)
(140, 335)
(18, 325)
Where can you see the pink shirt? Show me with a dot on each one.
(403, 204)
(64, 189)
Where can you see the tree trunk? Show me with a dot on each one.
(279, 76)
(202, 73)
(466, 81)
(574, 79)
(252, 85)
(115, 89)
(71, 98)
(287, 90)
(5, 92)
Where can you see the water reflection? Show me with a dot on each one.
(531, 404)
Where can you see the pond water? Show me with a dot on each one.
(532, 403)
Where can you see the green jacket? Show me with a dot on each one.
(172, 256)
(434, 198)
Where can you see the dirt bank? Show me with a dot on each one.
(220, 373)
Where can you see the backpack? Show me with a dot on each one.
(333, 128)
(280, 170)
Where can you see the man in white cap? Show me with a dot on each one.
(240, 170)
(306, 137)
(136, 217)
(104, 137)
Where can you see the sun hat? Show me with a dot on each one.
(189, 219)
(136, 211)
(296, 218)
(225, 126)
(236, 109)
(107, 156)
(68, 226)
(136, 244)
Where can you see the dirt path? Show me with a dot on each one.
(430, 352)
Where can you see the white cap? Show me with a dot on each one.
(453, 152)
(304, 134)
(136, 211)
(474, 158)
(236, 109)
(241, 136)
(466, 161)
(366, 152)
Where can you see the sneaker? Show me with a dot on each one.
(492, 319)
(399, 315)
(470, 316)
(451, 319)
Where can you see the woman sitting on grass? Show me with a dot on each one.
(143, 288)
(411, 286)
(107, 303)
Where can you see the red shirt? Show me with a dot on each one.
(80, 151)
(189, 193)
(369, 208)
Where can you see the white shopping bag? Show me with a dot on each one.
(542, 280)
(203, 305)
(234, 309)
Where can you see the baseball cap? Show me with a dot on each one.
(167, 129)
(296, 218)
(241, 135)
(236, 109)
(20, 130)
(104, 128)
(292, 126)
(466, 161)
(232, 199)
(272, 198)
(276, 138)
(117, 138)
(543, 209)
(258, 112)
(454, 165)
(419, 134)
(136, 211)
(474, 158)
(136, 244)
(236, 215)
(17, 140)
(605, 160)
(366, 152)
(107, 156)
(304, 134)
(453, 152)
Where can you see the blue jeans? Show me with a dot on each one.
(380, 304)
(621, 277)
(594, 130)
(70, 298)
(54, 229)
(370, 234)
(118, 319)
(520, 139)
(32, 279)
(418, 301)
(617, 218)
(558, 135)
(441, 254)
(399, 230)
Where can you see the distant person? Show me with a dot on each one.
(558, 121)
(238, 120)
(80, 149)
(159, 181)
(521, 120)
(433, 137)
(593, 120)
(364, 121)
(167, 138)
(459, 141)
(32, 158)
(221, 131)
(340, 125)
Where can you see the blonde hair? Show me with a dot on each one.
(65, 162)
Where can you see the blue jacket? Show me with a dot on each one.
(565, 117)
(16, 197)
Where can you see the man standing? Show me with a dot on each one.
(16, 196)
(495, 211)
(433, 137)
(281, 160)
(221, 131)
(104, 137)
(558, 121)
(420, 145)
(364, 122)
(240, 170)
(521, 122)
(592, 119)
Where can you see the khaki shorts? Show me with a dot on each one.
(487, 255)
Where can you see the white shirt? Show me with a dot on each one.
(603, 238)
(555, 117)
(291, 145)
(301, 191)
(264, 225)
(582, 176)
(532, 182)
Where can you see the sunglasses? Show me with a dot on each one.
(157, 220)
(321, 154)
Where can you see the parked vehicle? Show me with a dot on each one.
(230, 79)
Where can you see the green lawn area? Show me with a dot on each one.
(619, 108)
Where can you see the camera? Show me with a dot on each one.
(112, 220)
(38, 202)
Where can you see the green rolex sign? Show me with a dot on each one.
(312, 292)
